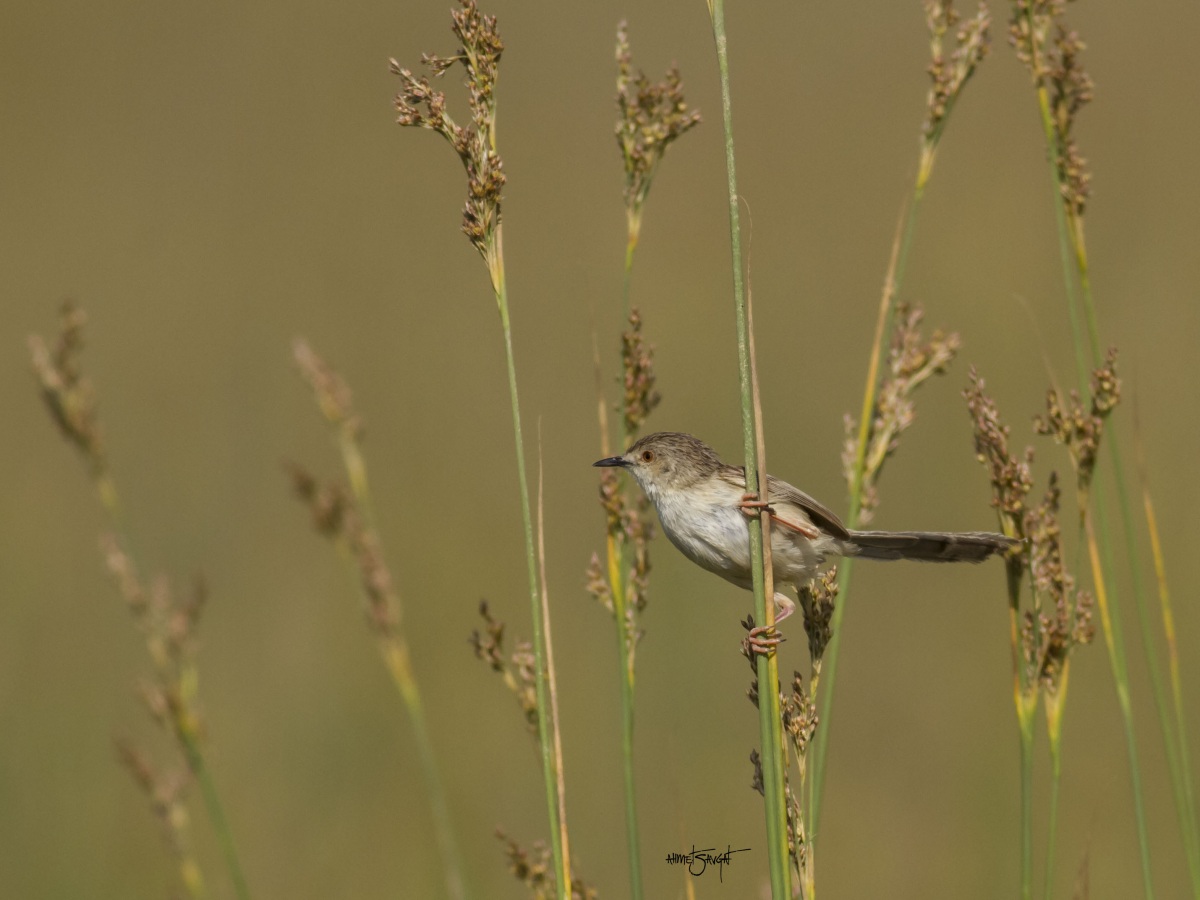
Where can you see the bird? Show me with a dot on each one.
(704, 509)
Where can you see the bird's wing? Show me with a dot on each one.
(823, 517)
(779, 492)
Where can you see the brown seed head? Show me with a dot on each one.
(418, 104)
(912, 360)
(67, 394)
(1011, 476)
(650, 117)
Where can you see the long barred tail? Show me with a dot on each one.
(929, 546)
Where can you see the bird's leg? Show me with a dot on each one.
(764, 639)
(751, 506)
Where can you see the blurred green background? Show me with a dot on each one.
(211, 180)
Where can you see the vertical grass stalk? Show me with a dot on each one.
(650, 117)
(1187, 814)
(770, 729)
(1025, 698)
(1116, 654)
(883, 326)
(360, 549)
(216, 814)
(551, 674)
(167, 624)
(1054, 707)
(419, 105)
(550, 762)
(618, 565)
(1058, 66)
(950, 70)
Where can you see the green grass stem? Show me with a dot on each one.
(770, 727)
(1026, 730)
(897, 262)
(550, 763)
(1115, 643)
(216, 812)
(1025, 700)
(1073, 257)
(618, 566)
(626, 678)
(1052, 829)
(398, 661)
(184, 728)
(1188, 812)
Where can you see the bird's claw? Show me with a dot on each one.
(751, 506)
(763, 640)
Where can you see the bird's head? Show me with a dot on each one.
(666, 460)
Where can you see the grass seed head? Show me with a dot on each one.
(650, 117)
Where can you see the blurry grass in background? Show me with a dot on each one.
(167, 624)
(435, 453)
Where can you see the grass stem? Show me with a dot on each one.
(399, 666)
(1114, 641)
(1054, 705)
(901, 243)
(770, 728)
(1187, 812)
(549, 764)
(1073, 255)
(618, 567)
(216, 813)
(1026, 722)
(371, 581)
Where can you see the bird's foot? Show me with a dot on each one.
(761, 640)
(751, 506)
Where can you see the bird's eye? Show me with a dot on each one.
(647, 456)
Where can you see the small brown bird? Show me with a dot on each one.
(703, 506)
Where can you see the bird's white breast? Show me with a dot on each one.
(711, 530)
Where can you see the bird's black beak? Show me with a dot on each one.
(612, 461)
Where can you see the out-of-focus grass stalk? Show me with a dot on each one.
(1055, 702)
(1064, 242)
(950, 74)
(216, 812)
(650, 117)
(1060, 68)
(615, 558)
(1178, 763)
(1168, 619)
(770, 728)
(333, 399)
(1025, 702)
(68, 397)
(1116, 655)
(1059, 618)
(1025, 698)
(1025, 722)
(1173, 730)
(627, 279)
(900, 244)
(616, 567)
